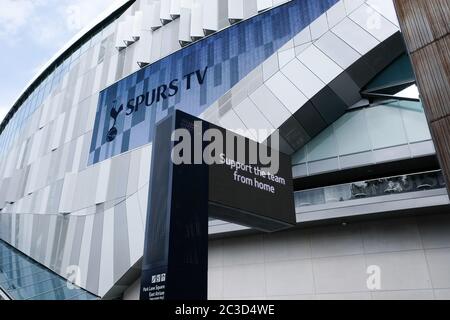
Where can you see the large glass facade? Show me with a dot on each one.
(382, 125)
(22, 278)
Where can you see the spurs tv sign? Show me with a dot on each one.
(155, 95)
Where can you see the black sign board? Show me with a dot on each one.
(236, 188)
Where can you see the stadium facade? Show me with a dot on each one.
(370, 199)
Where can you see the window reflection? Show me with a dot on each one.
(371, 188)
(24, 279)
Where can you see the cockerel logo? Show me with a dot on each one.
(112, 133)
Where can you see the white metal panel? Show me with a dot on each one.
(175, 8)
(156, 45)
(184, 33)
(284, 57)
(143, 50)
(319, 26)
(278, 2)
(128, 30)
(355, 36)
(21, 156)
(232, 122)
(155, 21)
(57, 132)
(325, 68)
(270, 106)
(67, 250)
(215, 15)
(270, 66)
(106, 274)
(102, 181)
(337, 49)
(306, 81)
(386, 8)
(135, 228)
(286, 92)
(35, 145)
(50, 238)
(144, 166)
(251, 117)
(137, 25)
(86, 248)
(44, 115)
(164, 13)
(77, 154)
(71, 125)
(351, 5)
(264, 4)
(336, 14)
(373, 22)
(197, 21)
(303, 37)
(170, 36)
(147, 15)
(241, 9)
(119, 44)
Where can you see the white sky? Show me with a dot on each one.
(31, 32)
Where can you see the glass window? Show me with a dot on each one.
(415, 122)
(23, 278)
(323, 146)
(386, 126)
(299, 156)
(352, 134)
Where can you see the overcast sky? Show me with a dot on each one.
(31, 32)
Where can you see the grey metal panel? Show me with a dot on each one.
(329, 105)
(88, 84)
(121, 241)
(422, 148)
(61, 244)
(55, 242)
(54, 196)
(323, 166)
(95, 254)
(36, 236)
(382, 55)
(294, 134)
(41, 247)
(310, 119)
(346, 89)
(392, 153)
(361, 72)
(78, 237)
(118, 179)
(357, 159)
(283, 145)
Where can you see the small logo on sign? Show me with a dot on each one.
(158, 278)
(112, 133)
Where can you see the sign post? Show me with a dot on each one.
(200, 170)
